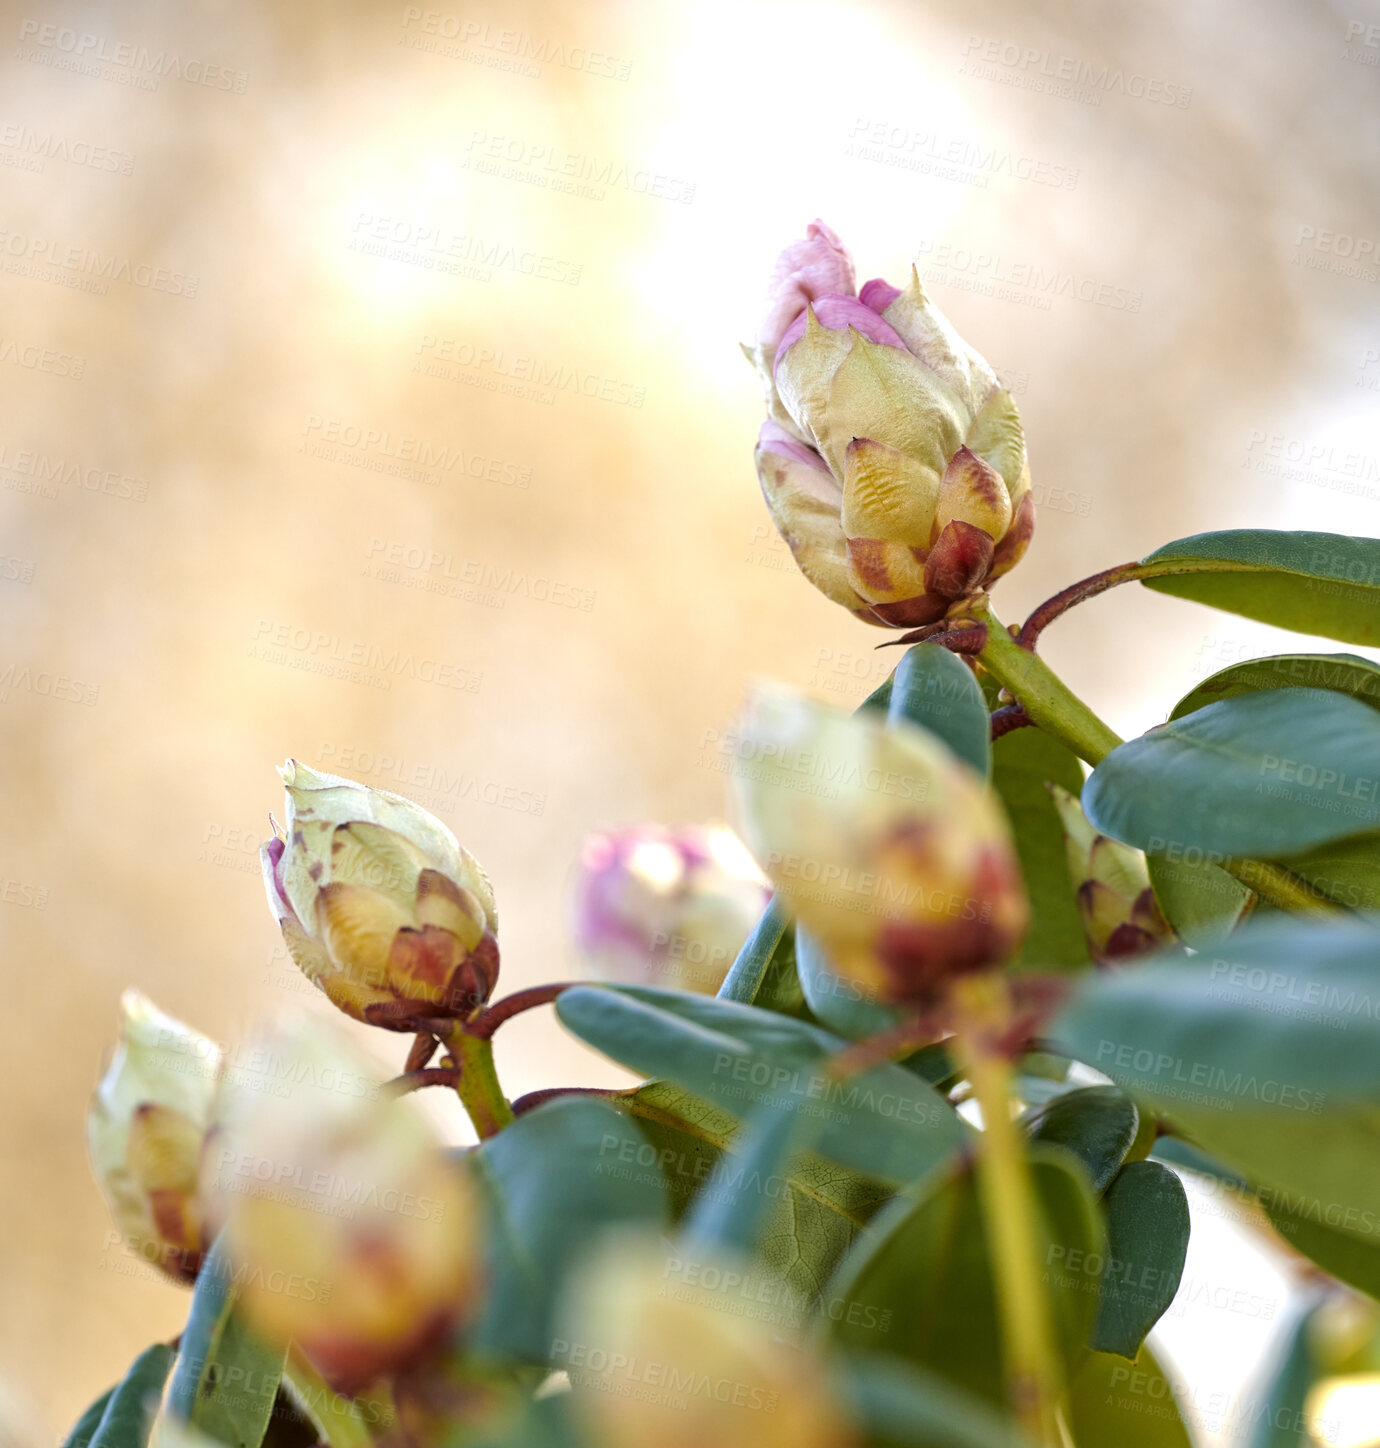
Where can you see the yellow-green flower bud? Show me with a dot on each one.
(376, 900)
(1121, 917)
(656, 1356)
(893, 461)
(889, 848)
(349, 1231)
(146, 1129)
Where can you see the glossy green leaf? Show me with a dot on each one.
(901, 1406)
(919, 1281)
(225, 1380)
(1024, 764)
(845, 1007)
(1201, 902)
(815, 1211)
(935, 689)
(1116, 1404)
(553, 1181)
(1096, 1123)
(123, 1417)
(1343, 673)
(1278, 1418)
(1259, 775)
(1147, 1241)
(1315, 583)
(84, 1430)
(1351, 1257)
(1265, 1053)
(887, 1122)
(765, 952)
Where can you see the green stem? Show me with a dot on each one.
(1056, 709)
(478, 1086)
(1046, 698)
(1009, 1212)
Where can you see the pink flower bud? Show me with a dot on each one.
(665, 907)
(804, 272)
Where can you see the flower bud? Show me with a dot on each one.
(146, 1129)
(666, 907)
(930, 499)
(1121, 917)
(657, 1357)
(883, 843)
(376, 900)
(348, 1230)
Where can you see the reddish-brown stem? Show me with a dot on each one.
(1064, 600)
(427, 1076)
(896, 1042)
(965, 639)
(423, 1049)
(490, 1020)
(1009, 717)
(533, 1099)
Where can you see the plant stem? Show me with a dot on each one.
(1046, 698)
(478, 1086)
(1009, 1212)
(339, 1421)
(1060, 712)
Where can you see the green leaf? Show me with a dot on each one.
(123, 1417)
(887, 1121)
(935, 689)
(765, 952)
(1024, 763)
(900, 1406)
(554, 1180)
(1345, 871)
(1263, 774)
(815, 1212)
(1200, 901)
(1147, 1242)
(85, 1428)
(1352, 1259)
(1315, 583)
(1096, 1123)
(844, 1006)
(539, 1423)
(1344, 673)
(1266, 1054)
(1279, 1417)
(225, 1380)
(1113, 1402)
(919, 1281)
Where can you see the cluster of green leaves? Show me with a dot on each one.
(1254, 1054)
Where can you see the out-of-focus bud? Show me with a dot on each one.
(376, 900)
(350, 1232)
(930, 498)
(1121, 917)
(889, 848)
(637, 1317)
(146, 1129)
(666, 907)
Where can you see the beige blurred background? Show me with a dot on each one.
(339, 331)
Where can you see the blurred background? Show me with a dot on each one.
(373, 397)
